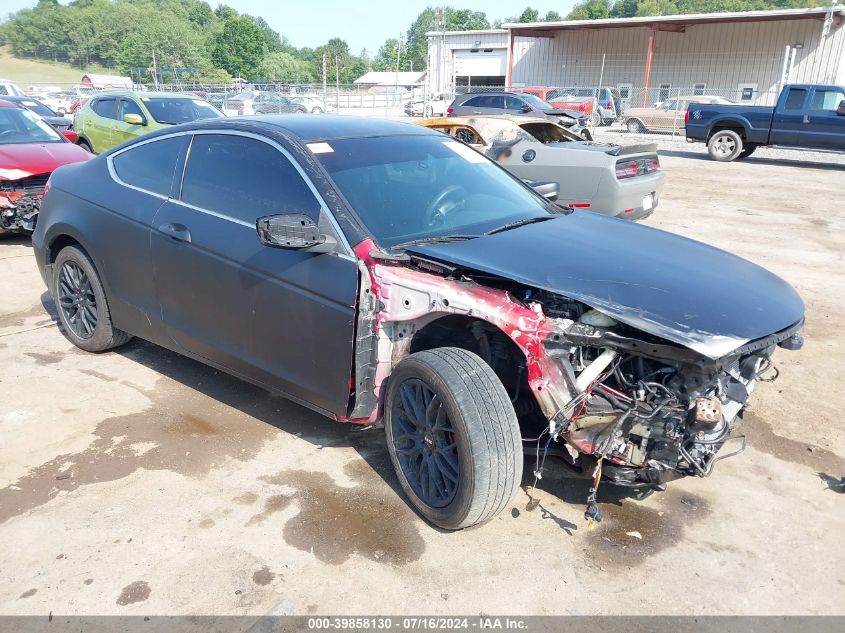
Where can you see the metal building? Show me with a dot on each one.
(744, 56)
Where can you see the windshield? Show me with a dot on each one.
(179, 110)
(22, 126)
(407, 188)
(537, 102)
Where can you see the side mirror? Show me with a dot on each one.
(525, 108)
(293, 231)
(70, 135)
(548, 189)
(841, 109)
(133, 119)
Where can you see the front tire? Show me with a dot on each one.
(85, 144)
(725, 146)
(81, 302)
(746, 152)
(453, 437)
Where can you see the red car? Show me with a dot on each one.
(560, 97)
(30, 150)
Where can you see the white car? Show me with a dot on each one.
(436, 106)
(9, 88)
(59, 102)
(314, 104)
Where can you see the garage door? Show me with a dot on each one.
(481, 62)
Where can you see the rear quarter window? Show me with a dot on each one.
(150, 166)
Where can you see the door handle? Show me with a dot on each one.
(177, 231)
(806, 118)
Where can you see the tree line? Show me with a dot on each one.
(222, 43)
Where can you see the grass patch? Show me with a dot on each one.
(31, 72)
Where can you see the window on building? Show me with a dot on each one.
(795, 99)
(698, 89)
(664, 92)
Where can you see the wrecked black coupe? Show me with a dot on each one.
(383, 274)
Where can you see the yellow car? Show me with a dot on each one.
(112, 117)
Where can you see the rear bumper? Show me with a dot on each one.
(629, 200)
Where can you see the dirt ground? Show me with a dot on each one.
(140, 482)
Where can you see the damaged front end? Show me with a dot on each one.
(613, 401)
(20, 201)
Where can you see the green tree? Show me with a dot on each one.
(239, 47)
(590, 10)
(624, 9)
(174, 43)
(529, 15)
(285, 68)
(552, 16)
(385, 59)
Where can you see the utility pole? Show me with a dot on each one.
(337, 81)
(398, 56)
(324, 75)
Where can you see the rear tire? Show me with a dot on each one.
(81, 303)
(635, 126)
(724, 146)
(453, 437)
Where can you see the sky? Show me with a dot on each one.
(365, 25)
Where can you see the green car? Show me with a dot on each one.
(112, 117)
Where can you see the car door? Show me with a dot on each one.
(123, 131)
(282, 318)
(98, 125)
(788, 118)
(822, 126)
(515, 106)
(143, 177)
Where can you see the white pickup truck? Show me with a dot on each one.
(11, 89)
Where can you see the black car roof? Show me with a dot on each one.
(305, 127)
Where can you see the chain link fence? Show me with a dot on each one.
(657, 109)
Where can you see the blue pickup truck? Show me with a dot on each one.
(805, 116)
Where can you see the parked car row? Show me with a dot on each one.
(255, 102)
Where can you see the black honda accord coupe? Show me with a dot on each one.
(385, 274)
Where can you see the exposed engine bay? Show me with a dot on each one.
(20, 201)
(613, 402)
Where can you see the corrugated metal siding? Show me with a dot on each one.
(722, 56)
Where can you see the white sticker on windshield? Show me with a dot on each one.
(198, 101)
(29, 103)
(320, 148)
(466, 152)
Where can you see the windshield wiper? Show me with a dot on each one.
(436, 239)
(522, 222)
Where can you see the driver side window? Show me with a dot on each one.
(244, 178)
(513, 103)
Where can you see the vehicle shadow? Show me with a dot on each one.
(759, 160)
(50, 307)
(326, 434)
(15, 239)
(271, 409)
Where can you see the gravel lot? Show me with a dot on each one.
(140, 482)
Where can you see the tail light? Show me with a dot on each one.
(450, 110)
(608, 105)
(637, 167)
(626, 170)
(686, 117)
